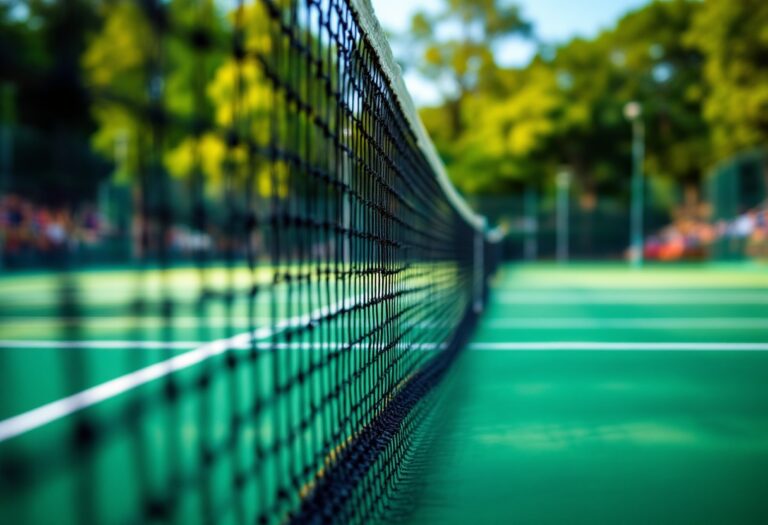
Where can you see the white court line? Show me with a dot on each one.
(110, 321)
(183, 345)
(101, 345)
(66, 406)
(131, 318)
(630, 297)
(699, 323)
(508, 346)
(549, 346)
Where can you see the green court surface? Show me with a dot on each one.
(122, 388)
(599, 394)
(589, 394)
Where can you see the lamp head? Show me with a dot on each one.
(633, 110)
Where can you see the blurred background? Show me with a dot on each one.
(520, 95)
(162, 184)
(601, 131)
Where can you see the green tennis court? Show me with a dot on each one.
(589, 393)
(125, 384)
(598, 394)
(247, 278)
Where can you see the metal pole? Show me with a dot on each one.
(532, 225)
(479, 268)
(563, 189)
(638, 191)
(7, 116)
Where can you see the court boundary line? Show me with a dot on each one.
(239, 342)
(183, 345)
(601, 346)
(608, 323)
(54, 410)
(110, 344)
(68, 405)
(641, 297)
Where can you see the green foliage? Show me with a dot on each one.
(643, 58)
(455, 47)
(697, 68)
(45, 100)
(115, 60)
(119, 64)
(733, 35)
(194, 93)
(210, 152)
(501, 144)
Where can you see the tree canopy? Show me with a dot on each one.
(734, 39)
(696, 67)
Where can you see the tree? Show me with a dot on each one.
(519, 125)
(733, 36)
(643, 58)
(46, 101)
(501, 145)
(456, 47)
(664, 72)
(139, 74)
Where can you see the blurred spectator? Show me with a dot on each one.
(34, 233)
(692, 239)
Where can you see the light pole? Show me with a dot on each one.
(7, 114)
(563, 190)
(531, 224)
(633, 111)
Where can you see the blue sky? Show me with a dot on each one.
(554, 21)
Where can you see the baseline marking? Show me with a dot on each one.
(183, 345)
(550, 346)
(66, 406)
(630, 298)
(699, 323)
(101, 345)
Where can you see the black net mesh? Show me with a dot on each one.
(244, 278)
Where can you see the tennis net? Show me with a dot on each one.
(260, 271)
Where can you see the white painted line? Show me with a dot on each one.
(674, 323)
(618, 347)
(99, 321)
(101, 345)
(630, 297)
(307, 345)
(183, 345)
(50, 412)
(130, 320)
(66, 406)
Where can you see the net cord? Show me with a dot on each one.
(392, 71)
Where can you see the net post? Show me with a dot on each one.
(479, 267)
